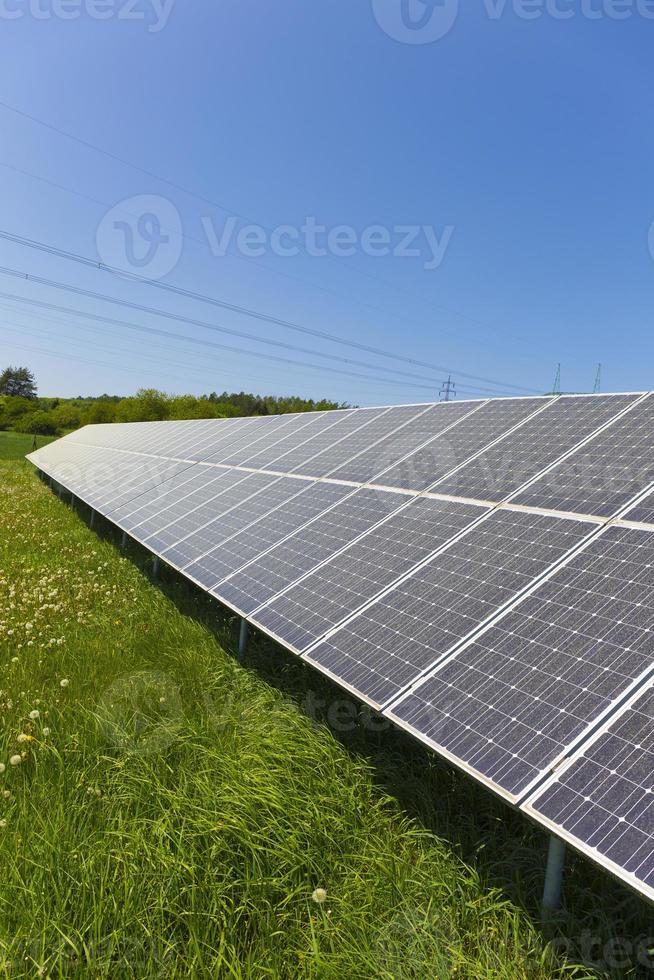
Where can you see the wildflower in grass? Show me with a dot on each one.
(34, 714)
(6, 793)
(2, 767)
(46, 732)
(14, 660)
(319, 895)
(15, 760)
(64, 682)
(25, 738)
(3, 824)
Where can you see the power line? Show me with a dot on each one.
(223, 304)
(111, 321)
(221, 207)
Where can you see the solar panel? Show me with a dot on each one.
(276, 569)
(602, 800)
(474, 431)
(391, 642)
(186, 532)
(399, 442)
(353, 430)
(234, 552)
(321, 600)
(515, 639)
(274, 432)
(604, 474)
(643, 512)
(156, 509)
(501, 469)
(512, 701)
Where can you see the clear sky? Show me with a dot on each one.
(509, 145)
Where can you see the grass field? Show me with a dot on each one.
(166, 812)
(15, 445)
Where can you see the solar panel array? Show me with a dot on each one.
(481, 573)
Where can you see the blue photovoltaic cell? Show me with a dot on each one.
(196, 513)
(278, 568)
(604, 474)
(355, 430)
(501, 469)
(397, 440)
(435, 460)
(389, 644)
(276, 429)
(191, 545)
(236, 551)
(510, 702)
(324, 598)
(298, 439)
(152, 512)
(605, 798)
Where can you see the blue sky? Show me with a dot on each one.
(523, 145)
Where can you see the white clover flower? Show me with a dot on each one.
(35, 714)
(15, 760)
(319, 895)
(6, 793)
(3, 824)
(2, 767)
(23, 737)
(46, 732)
(64, 682)
(14, 660)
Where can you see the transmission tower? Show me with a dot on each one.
(597, 387)
(556, 390)
(448, 390)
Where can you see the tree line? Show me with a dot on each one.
(21, 408)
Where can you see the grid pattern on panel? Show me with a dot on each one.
(642, 512)
(605, 798)
(328, 462)
(197, 513)
(512, 701)
(194, 439)
(372, 460)
(151, 503)
(298, 438)
(100, 476)
(290, 560)
(150, 474)
(389, 644)
(270, 433)
(516, 459)
(323, 599)
(435, 460)
(222, 436)
(205, 486)
(344, 440)
(604, 474)
(247, 544)
(238, 509)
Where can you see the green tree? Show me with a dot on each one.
(38, 424)
(18, 381)
(148, 405)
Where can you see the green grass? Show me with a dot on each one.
(15, 445)
(173, 812)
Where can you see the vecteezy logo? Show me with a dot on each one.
(416, 21)
(141, 235)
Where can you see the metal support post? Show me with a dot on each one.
(123, 540)
(92, 519)
(554, 875)
(243, 639)
(156, 566)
